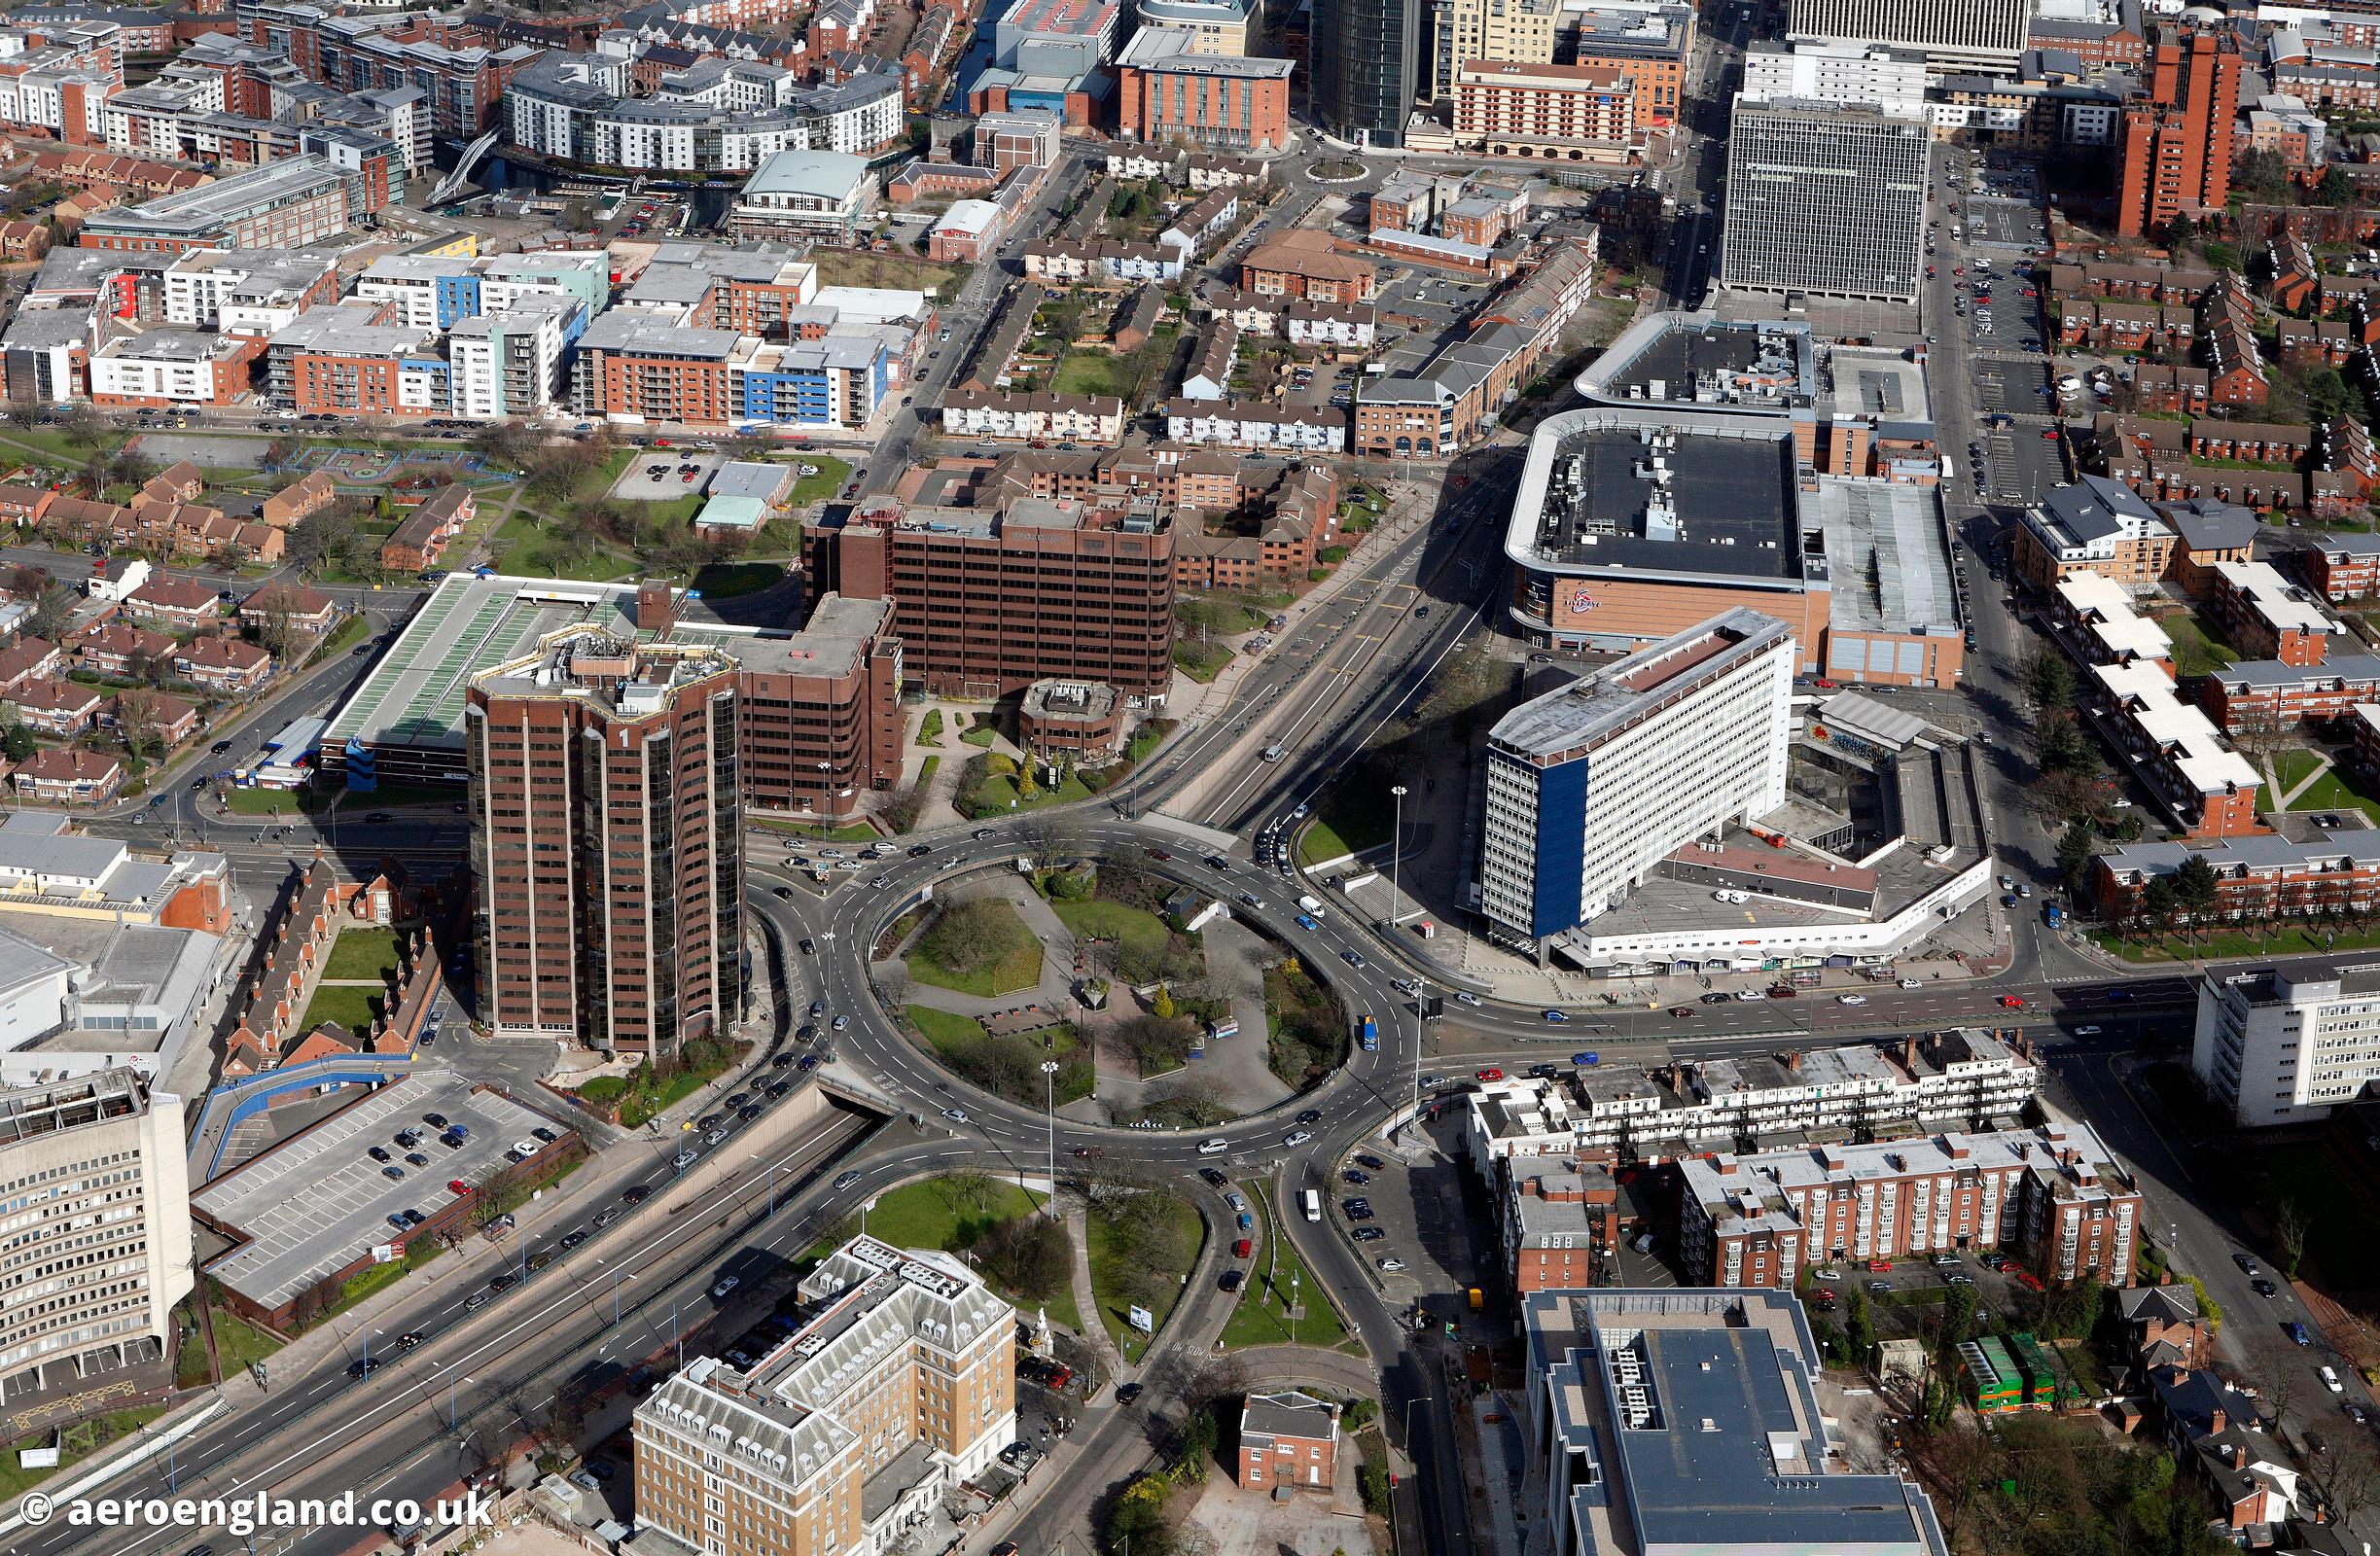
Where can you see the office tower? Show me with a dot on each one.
(97, 1252)
(2177, 136)
(605, 839)
(1589, 787)
(1825, 197)
(1954, 35)
(1365, 68)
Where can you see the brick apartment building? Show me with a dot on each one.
(1306, 263)
(1230, 101)
(2267, 615)
(821, 710)
(607, 847)
(420, 538)
(2342, 567)
(2053, 1196)
(68, 775)
(1557, 113)
(1288, 1439)
(988, 603)
(2176, 148)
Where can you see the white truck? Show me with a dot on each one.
(128, 577)
(1312, 906)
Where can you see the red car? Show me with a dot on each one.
(1491, 1073)
(1880, 1265)
(1784, 991)
(1243, 1248)
(457, 1186)
(2009, 1002)
(2049, 434)
(1682, 1012)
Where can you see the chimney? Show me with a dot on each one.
(1791, 1058)
(1908, 1051)
(655, 610)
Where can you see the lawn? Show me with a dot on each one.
(1219, 615)
(2306, 940)
(832, 474)
(2337, 790)
(922, 1215)
(1201, 661)
(839, 268)
(2292, 767)
(361, 954)
(1137, 929)
(368, 799)
(524, 549)
(355, 1008)
(980, 948)
(1261, 1317)
(724, 581)
(1009, 1067)
(2199, 648)
(1115, 1309)
(807, 831)
(1349, 821)
(998, 794)
(83, 1440)
(274, 802)
(237, 1343)
(1089, 372)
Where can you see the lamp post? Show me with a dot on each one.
(454, 1419)
(1049, 1111)
(825, 769)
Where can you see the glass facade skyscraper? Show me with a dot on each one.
(1366, 67)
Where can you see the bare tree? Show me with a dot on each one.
(2290, 1220)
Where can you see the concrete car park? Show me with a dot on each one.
(318, 1202)
(660, 475)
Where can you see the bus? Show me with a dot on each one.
(1313, 1205)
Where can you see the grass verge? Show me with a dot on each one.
(83, 1440)
(1261, 1317)
(1107, 1265)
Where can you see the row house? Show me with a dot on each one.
(2053, 1195)
(2312, 342)
(122, 649)
(2174, 747)
(2130, 283)
(420, 538)
(1327, 325)
(175, 604)
(2342, 567)
(2296, 275)
(226, 666)
(2170, 388)
(1101, 263)
(2257, 878)
(169, 718)
(2345, 444)
(300, 499)
(2332, 496)
(1256, 424)
(2268, 615)
(2268, 696)
(1279, 525)
(2227, 331)
(59, 709)
(69, 775)
(1078, 418)
(295, 605)
(2259, 442)
(2149, 328)
(29, 660)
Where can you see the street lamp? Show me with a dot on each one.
(454, 1419)
(825, 770)
(754, 1155)
(1049, 1111)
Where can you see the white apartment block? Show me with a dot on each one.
(188, 367)
(94, 1222)
(1960, 1080)
(1071, 418)
(898, 1386)
(510, 361)
(1254, 424)
(2286, 1043)
(247, 292)
(1839, 71)
(1589, 788)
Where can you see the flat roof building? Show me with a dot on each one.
(1825, 198)
(897, 1387)
(1589, 787)
(98, 1250)
(2288, 1043)
(607, 840)
(1671, 1420)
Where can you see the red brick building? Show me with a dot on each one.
(173, 603)
(1215, 100)
(988, 603)
(2342, 567)
(69, 776)
(1306, 263)
(2176, 146)
(1288, 1439)
(420, 539)
(227, 666)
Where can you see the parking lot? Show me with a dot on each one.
(2019, 463)
(1995, 222)
(2012, 386)
(319, 1202)
(658, 475)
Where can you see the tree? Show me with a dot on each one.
(2290, 1224)
(2262, 176)
(24, 411)
(2335, 188)
(137, 711)
(2196, 887)
(2076, 846)
(320, 537)
(2158, 904)
(2059, 746)
(2179, 231)
(2049, 682)
(17, 742)
(967, 1192)
(1858, 1327)
(1162, 1005)
(85, 428)
(1029, 1254)
(53, 613)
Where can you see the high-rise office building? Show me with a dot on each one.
(2177, 135)
(1825, 197)
(1954, 35)
(93, 1179)
(1589, 787)
(605, 840)
(2286, 1043)
(1365, 68)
